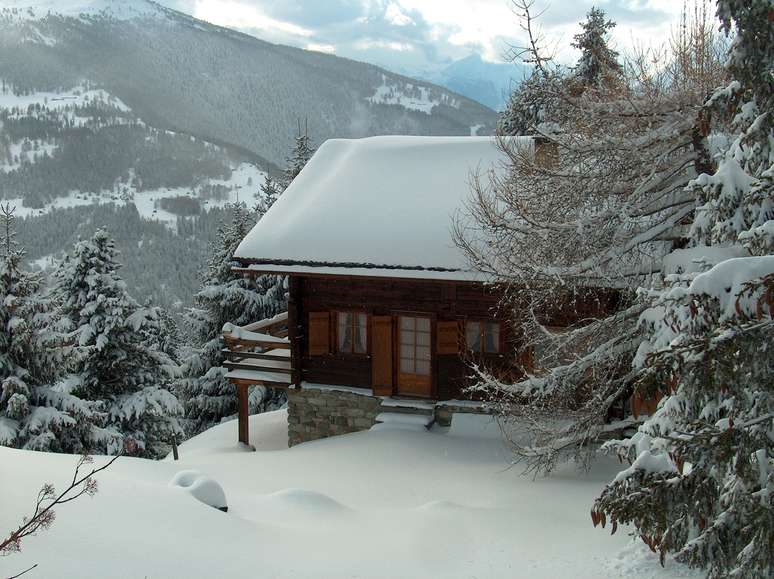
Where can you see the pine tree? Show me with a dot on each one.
(116, 366)
(299, 157)
(701, 480)
(532, 106)
(225, 297)
(161, 329)
(598, 64)
(33, 414)
(271, 189)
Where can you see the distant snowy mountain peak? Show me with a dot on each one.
(117, 9)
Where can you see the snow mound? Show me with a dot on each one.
(441, 506)
(201, 487)
(299, 499)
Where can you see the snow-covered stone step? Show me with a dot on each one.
(404, 420)
(407, 404)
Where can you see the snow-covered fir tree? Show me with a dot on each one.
(33, 413)
(299, 157)
(225, 297)
(531, 108)
(701, 478)
(542, 102)
(117, 366)
(598, 64)
(162, 331)
(271, 189)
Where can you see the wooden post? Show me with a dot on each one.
(175, 453)
(294, 320)
(244, 426)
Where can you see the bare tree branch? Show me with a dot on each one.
(43, 515)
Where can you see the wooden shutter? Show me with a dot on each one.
(448, 341)
(381, 355)
(319, 333)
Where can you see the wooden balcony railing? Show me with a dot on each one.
(259, 353)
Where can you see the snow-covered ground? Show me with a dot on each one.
(76, 96)
(393, 502)
(245, 182)
(17, 153)
(419, 98)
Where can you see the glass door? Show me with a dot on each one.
(415, 356)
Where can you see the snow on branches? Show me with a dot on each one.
(701, 478)
(666, 195)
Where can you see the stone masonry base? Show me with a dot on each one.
(315, 413)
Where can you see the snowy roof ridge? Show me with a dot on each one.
(382, 205)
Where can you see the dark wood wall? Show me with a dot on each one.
(441, 300)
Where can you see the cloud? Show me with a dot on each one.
(415, 34)
(394, 15)
(370, 43)
(243, 15)
(328, 48)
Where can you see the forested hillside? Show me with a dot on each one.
(186, 75)
(167, 117)
(160, 264)
(76, 160)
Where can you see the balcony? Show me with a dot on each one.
(258, 354)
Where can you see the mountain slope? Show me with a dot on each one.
(180, 73)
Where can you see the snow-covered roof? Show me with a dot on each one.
(376, 207)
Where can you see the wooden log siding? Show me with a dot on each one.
(449, 304)
(449, 337)
(319, 333)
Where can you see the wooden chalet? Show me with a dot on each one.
(381, 302)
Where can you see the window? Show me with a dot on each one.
(483, 337)
(415, 345)
(352, 333)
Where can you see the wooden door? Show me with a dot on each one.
(381, 355)
(414, 356)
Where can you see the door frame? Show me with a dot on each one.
(432, 390)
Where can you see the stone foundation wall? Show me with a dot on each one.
(314, 413)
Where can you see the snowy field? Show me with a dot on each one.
(393, 94)
(245, 182)
(76, 96)
(386, 503)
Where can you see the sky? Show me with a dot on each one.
(415, 35)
